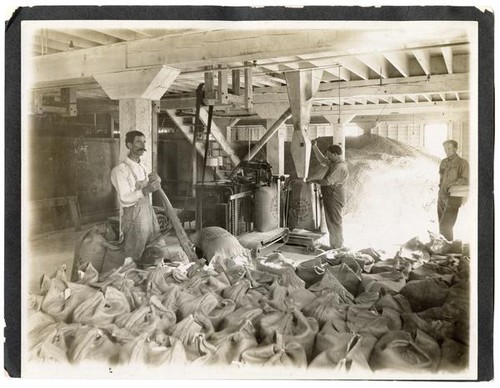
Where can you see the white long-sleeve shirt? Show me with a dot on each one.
(124, 178)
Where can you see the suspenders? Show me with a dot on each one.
(132, 170)
(125, 162)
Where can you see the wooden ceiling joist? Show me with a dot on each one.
(372, 88)
(448, 58)
(386, 109)
(65, 39)
(44, 50)
(399, 98)
(355, 66)
(122, 34)
(59, 46)
(197, 49)
(377, 63)
(427, 97)
(424, 60)
(92, 35)
(400, 61)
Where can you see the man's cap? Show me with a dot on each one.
(454, 143)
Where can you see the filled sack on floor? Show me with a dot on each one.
(400, 351)
(291, 326)
(215, 241)
(102, 308)
(226, 347)
(423, 294)
(326, 309)
(349, 357)
(91, 344)
(392, 281)
(276, 354)
(145, 351)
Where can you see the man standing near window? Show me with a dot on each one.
(453, 171)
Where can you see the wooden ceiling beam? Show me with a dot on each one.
(328, 65)
(67, 38)
(427, 97)
(413, 118)
(400, 61)
(141, 32)
(424, 59)
(371, 90)
(122, 33)
(191, 50)
(355, 66)
(92, 35)
(47, 50)
(57, 45)
(448, 58)
(377, 63)
(394, 109)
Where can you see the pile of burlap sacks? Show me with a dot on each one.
(344, 311)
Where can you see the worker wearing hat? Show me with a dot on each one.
(453, 171)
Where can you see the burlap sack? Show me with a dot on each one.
(215, 241)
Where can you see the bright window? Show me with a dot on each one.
(352, 130)
(434, 136)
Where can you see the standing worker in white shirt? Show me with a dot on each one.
(139, 226)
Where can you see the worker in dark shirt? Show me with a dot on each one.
(453, 171)
(332, 190)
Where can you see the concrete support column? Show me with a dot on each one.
(301, 87)
(136, 89)
(339, 135)
(136, 115)
(338, 124)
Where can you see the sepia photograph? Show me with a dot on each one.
(250, 199)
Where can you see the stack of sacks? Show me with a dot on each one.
(346, 311)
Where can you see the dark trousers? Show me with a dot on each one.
(333, 203)
(447, 208)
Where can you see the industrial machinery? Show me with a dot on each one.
(229, 203)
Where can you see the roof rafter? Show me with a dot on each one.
(377, 63)
(355, 66)
(400, 61)
(448, 58)
(424, 60)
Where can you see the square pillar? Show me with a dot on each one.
(276, 151)
(136, 115)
